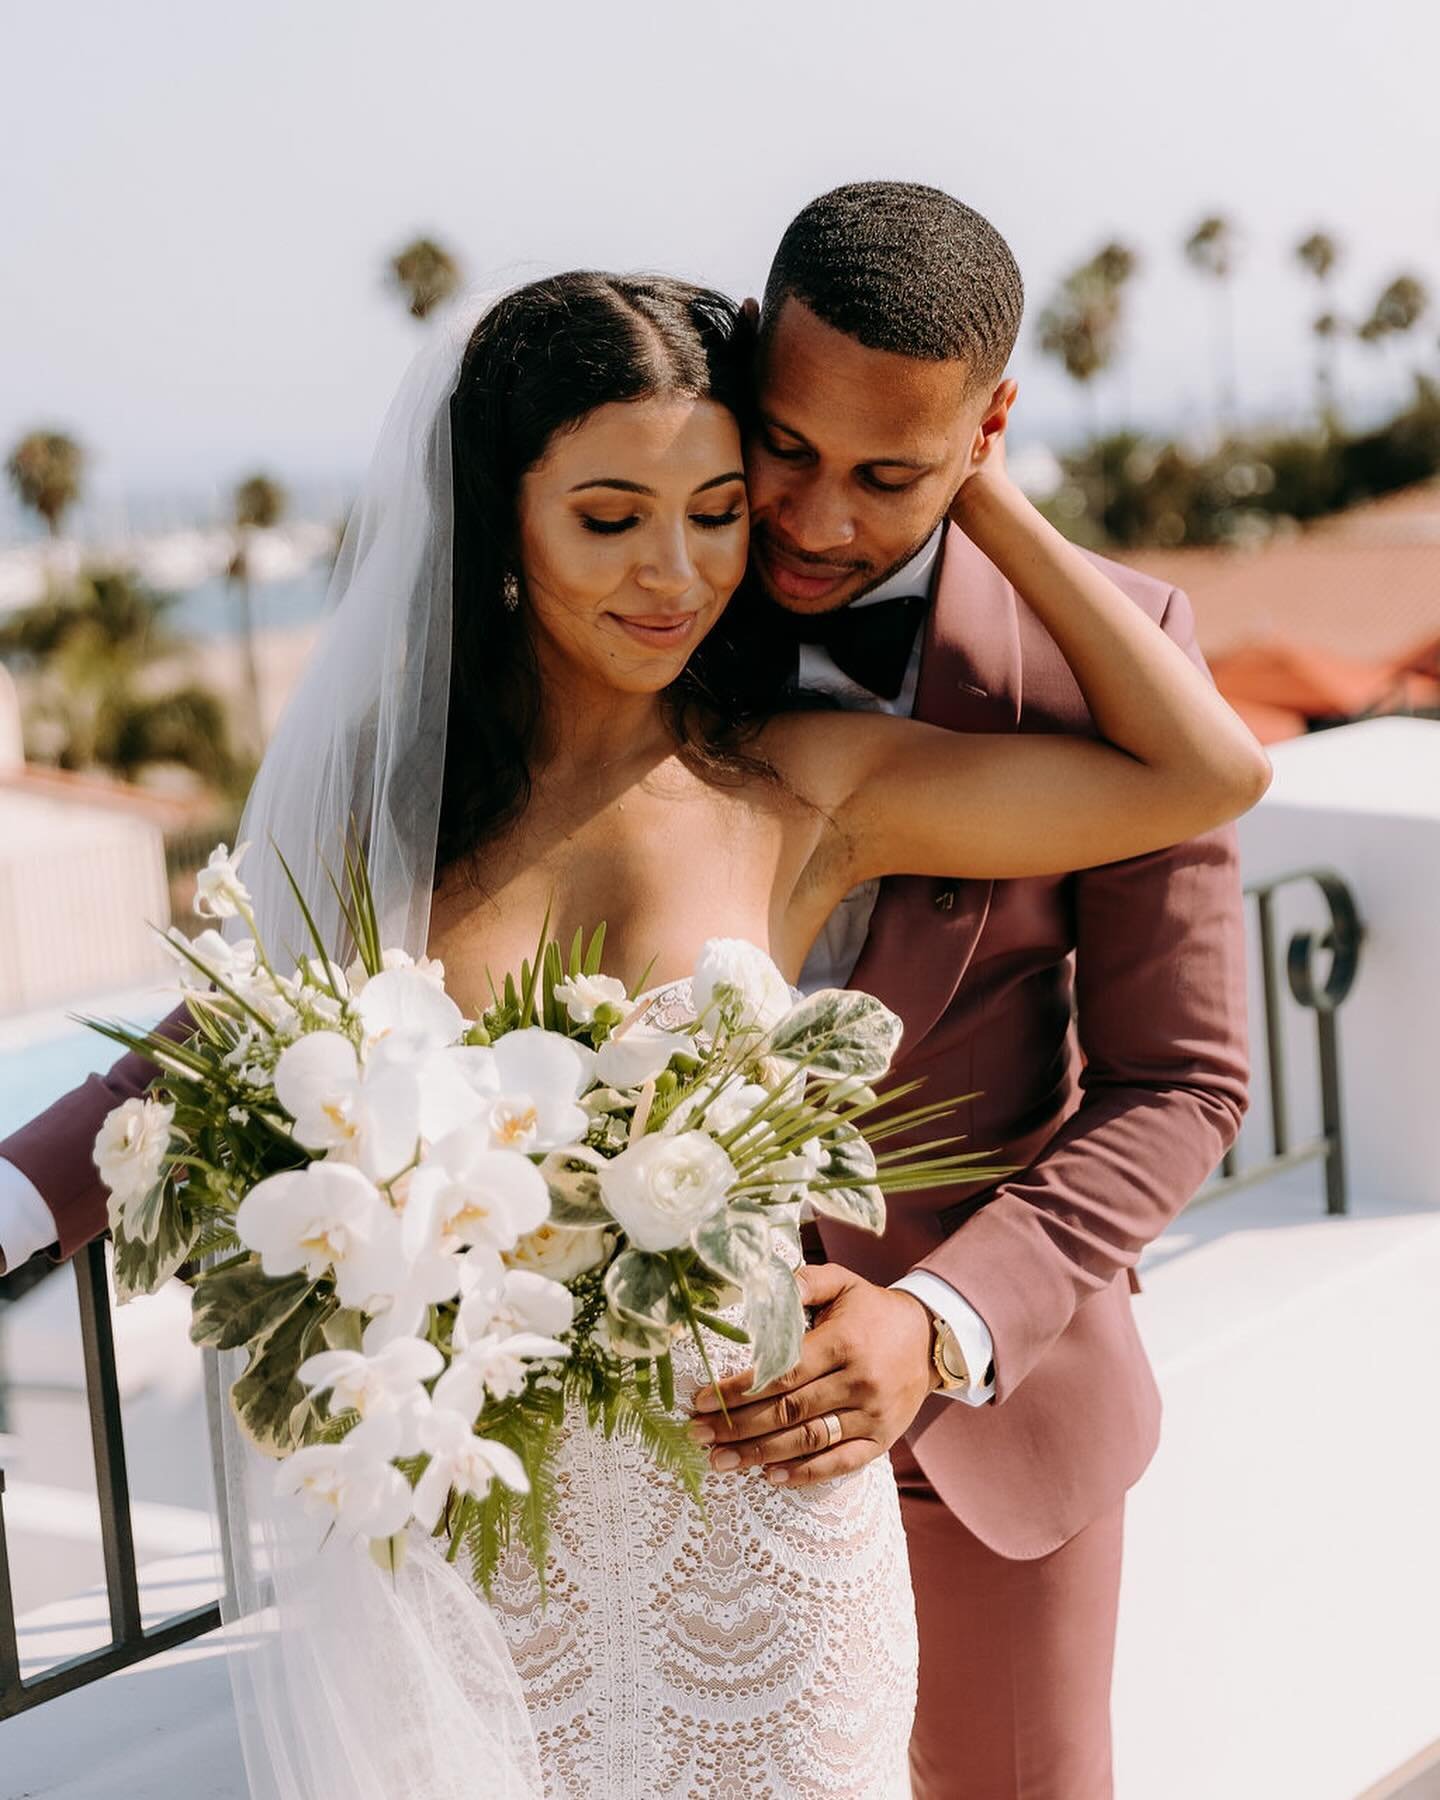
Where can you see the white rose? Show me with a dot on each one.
(582, 996)
(732, 973)
(129, 1151)
(559, 1252)
(219, 891)
(663, 1187)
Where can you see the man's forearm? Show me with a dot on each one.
(1107, 1185)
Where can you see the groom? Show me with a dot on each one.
(987, 1340)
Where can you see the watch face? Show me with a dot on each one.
(952, 1360)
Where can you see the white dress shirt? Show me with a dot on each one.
(836, 951)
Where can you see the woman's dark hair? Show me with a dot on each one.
(539, 362)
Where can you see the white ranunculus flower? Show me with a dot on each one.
(322, 1217)
(732, 973)
(462, 1461)
(663, 1187)
(529, 1083)
(130, 1151)
(219, 891)
(637, 1054)
(561, 1252)
(582, 996)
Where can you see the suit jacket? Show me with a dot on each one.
(1113, 1126)
(986, 976)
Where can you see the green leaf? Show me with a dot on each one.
(840, 1032)
(733, 1243)
(271, 1406)
(845, 1186)
(575, 1200)
(776, 1320)
(640, 1290)
(235, 1305)
(152, 1241)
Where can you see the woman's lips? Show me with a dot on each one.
(660, 631)
(801, 580)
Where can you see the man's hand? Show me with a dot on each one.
(866, 1359)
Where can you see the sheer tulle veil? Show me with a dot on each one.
(351, 1683)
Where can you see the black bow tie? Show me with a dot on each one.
(871, 644)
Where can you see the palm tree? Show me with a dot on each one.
(45, 469)
(1081, 326)
(1212, 249)
(426, 273)
(259, 505)
(1320, 254)
(1402, 304)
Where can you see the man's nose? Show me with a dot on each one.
(814, 515)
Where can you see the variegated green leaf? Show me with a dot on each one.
(776, 1320)
(164, 1232)
(640, 1288)
(235, 1305)
(271, 1406)
(574, 1191)
(839, 1032)
(845, 1187)
(733, 1243)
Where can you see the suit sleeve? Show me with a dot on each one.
(54, 1151)
(1160, 993)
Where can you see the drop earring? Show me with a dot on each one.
(510, 591)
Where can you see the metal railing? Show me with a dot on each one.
(130, 1640)
(1341, 941)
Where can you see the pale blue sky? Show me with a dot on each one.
(196, 200)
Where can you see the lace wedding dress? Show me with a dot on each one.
(762, 1650)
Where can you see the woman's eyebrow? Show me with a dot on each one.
(720, 480)
(635, 487)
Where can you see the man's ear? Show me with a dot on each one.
(993, 421)
(750, 309)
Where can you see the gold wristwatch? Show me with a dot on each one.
(947, 1356)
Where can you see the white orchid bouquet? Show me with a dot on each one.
(433, 1235)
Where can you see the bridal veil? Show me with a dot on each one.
(351, 1683)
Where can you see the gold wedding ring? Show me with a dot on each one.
(834, 1430)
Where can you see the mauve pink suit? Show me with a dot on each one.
(1013, 1510)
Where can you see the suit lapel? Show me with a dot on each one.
(924, 931)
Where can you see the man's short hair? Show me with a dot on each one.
(905, 268)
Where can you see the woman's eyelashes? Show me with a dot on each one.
(706, 522)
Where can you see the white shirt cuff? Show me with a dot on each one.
(26, 1222)
(951, 1307)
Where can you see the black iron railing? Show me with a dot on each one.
(1340, 941)
(130, 1640)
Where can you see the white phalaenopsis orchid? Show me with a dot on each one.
(496, 1364)
(353, 1484)
(529, 1083)
(371, 1115)
(461, 1461)
(465, 1192)
(231, 963)
(637, 1053)
(495, 1299)
(408, 1002)
(219, 891)
(402, 1294)
(391, 1381)
(735, 976)
(322, 1218)
(358, 976)
(582, 996)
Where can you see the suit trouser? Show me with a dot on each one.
(1015, 1657)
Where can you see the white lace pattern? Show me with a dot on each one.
(761, 1650)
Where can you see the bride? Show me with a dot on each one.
(549, 686)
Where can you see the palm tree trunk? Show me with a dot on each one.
(254, 721)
